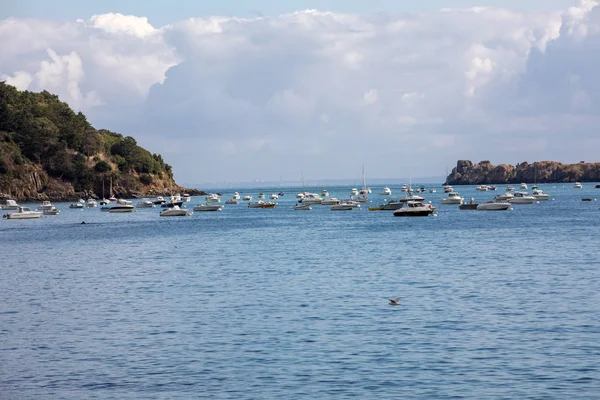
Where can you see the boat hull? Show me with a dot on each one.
(493, 206)
(408, 213)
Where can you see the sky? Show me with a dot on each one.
(236, 91)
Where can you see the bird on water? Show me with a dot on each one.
(395, 301)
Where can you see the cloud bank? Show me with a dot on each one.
(228, 99)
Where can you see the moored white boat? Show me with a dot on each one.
(311, 198)
(91, 203)
(523, 186)
(540, 195)
(262, 204)
(324, 193)
(213, 198)
(274, 196)
(493, 205)
(51, 211)
(23, 213)
(208, 207)
(482, 188)
(453, 198)
(247, 198)
(232, 201)
(505, 196)
(302, 207)
(46, 205)
(10, 205)
(330, 201)
(261, 195)
(521, 198)
(386, 191)
(578, 185)
(77, 205)
(120, 208)
(186, 197)
(145, 203)
(354, 192)
(174, 211)
(236, 196)
(342, 207)
(414, 209)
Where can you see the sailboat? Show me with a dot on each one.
(301, 195)
(365, 189)
(104, 201)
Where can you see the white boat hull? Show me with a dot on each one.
(493, 206)
(208, 207)
(522, 200)
(27, 215)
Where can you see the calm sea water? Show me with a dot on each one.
(283, 304)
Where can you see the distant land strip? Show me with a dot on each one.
(484, 172)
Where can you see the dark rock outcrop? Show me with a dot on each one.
(467, 173)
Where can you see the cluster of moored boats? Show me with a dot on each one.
(412, 203)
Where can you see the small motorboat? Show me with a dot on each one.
(414, 209)
(212, 198)
(493, 205)
(324, 193)
(330, 201)
(208, 207)
(46, 205)
(523, 186)
(51, 211)
(119, 208)
(274, 196)
(453, 198)
(578, 185)
(432, 191)
(386, 191)
(145, 204)
(342, 207)
(261, 195)
(247, 198)
(10, 205)
(262, 204)
(522, 198)
(232, 201)
(587, 199)
(236, 196)
(540, 195)
(23, 213)
(77, 205)
(302, 207)
(471, 205)
(482, 188)
(174, 211)
(91, 203)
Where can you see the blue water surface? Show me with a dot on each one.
(284, 304)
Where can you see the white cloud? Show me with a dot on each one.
(293, 88)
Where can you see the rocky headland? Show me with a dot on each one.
(50, 152)
(484, 172)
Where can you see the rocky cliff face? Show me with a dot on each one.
(467, 173)
(33, 184)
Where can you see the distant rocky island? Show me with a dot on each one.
(467, 173)
(50, 152)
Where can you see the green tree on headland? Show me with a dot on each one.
(37, 129)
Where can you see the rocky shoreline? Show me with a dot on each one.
(485, 173)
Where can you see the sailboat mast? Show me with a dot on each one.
(363, 176)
